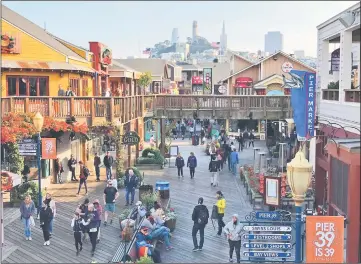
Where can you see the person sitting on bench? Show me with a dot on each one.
(157, 232)
(158, 215)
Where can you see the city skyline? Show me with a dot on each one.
(118, 31)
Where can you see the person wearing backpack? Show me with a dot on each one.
(213, 168)
(200, 217)
(84, 173)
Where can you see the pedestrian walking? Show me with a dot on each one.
(93, 227)
(152, 141)
(25, 172)
(46, 215)
(192, 164)
(221, 207)
(99, 209)
(200, 217)
(183, 130)
(84, 215)
(233, 232)
(114, 182)
(203, 136)
(213, 168)
(27, 210)
(245, 138)
(174, 132)
(251, 139)
(108, 163)
(71, 166)
(58, 169)
(220, 160)
(50, 201)
(179, 163)
(130, 183)
(234, 161)
(78, 223)
(110, 196)
(97, 163)
(84, 173)
(240, 142)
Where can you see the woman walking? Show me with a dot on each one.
(78, 224)
(58, 168)
(84, 215)
(192, 164)
(99, 209)
(221, 206)
(51, 202)
(46, 215)
(27, 210)
(93, 226)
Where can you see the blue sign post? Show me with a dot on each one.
(268, 215)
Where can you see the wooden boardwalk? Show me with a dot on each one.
(185, 192)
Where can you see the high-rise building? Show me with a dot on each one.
(273, 42)
(175, 36)
(223, 40)
(195, 30)
(299, 54)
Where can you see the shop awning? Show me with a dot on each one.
(39, 65)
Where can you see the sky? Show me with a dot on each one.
(130, 27)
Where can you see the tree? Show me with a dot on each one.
(145, 80)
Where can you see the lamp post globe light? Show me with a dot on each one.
(299, 173)
(38, 121)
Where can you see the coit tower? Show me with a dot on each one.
(195, 30)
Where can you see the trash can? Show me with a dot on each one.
(163, 188)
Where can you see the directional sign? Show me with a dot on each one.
(268, 228)
(265, 254)
(270, 245)
(267, 237)
(27, 147)
(268, 215)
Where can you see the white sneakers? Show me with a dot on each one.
(28, 238)
(47, 243)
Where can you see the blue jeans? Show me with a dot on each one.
(27, 229)
(162, 233)
(131, 192)
(108, 171)
(97, 172)
(234, 167)
(51, 226)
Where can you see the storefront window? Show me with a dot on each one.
(74, 84)
(27, 86)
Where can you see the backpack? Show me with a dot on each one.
(203, 216)
(214, 212)
(86, 172)
(214, 166)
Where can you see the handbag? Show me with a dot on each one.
(31, 221)
(214, 214)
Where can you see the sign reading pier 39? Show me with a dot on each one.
(324, 239)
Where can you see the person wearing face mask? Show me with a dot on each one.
(233, 232)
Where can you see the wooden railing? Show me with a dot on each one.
(124, 109)
(352, 95)
(330, 94)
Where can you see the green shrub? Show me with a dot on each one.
(19, 192)
(142, 160)
(158, 158)
(120, 176)
(145, 260)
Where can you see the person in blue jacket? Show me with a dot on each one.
(192, 164)
(234, 161)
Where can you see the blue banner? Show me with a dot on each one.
(303, 102)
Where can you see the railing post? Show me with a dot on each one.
(123, 114)
(111, 109)
(264, 105)
(11, 104)
(50, 107)
(26, 105)
(92, 111)
(230, 106)
(248, 105)
(181, 106)
(72, 106)
(213, 106)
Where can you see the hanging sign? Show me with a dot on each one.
(131, 138)
(207, 80)
(48, 148)
(27, 147)
(325, 239)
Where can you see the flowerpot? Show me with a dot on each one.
(171, 223)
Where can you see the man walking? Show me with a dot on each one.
(130, 183)
(179, 162)
(96, 166)
(110, 196)
(71, 166)
(84, 173)
(213, 168)
(192, 164)
(234, 161)
(200, 217)
(245, 138)
(251, 139)
(240, 142)
(233, 232)
(108, 163)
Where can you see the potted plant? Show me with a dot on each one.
(145, 260)
(171, 219)
(148, 199)
(124, 214)
(144, 189)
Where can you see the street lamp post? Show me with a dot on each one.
(299, 172)
(38, 121)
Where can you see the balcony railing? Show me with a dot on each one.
(330, 94)
(352, 95)
(124, 109)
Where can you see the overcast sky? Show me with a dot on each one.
(129, 27)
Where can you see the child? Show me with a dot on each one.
(77, 224)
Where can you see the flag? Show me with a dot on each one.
(216, 45)
(147, 51)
